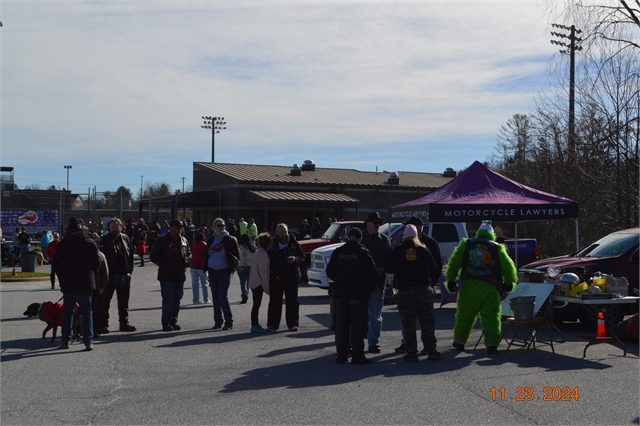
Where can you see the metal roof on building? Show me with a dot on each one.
(323, 176)
(303, 196)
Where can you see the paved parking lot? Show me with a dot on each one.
(201, 376)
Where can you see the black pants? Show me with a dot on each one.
(417, 302)
(351, 323)
(123, 303)
(257, 301)
(276, 291)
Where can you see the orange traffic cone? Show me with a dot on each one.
(14, 273)
(601, 333)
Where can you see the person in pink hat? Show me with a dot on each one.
(412, 265)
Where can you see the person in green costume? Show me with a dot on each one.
(486, 272)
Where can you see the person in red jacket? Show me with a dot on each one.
(198, 275)
(142, 247)
(51, 251)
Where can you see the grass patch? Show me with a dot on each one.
(9, 275)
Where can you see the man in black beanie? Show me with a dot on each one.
(354, 275)
(75, 263)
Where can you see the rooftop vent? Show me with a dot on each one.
(449, 172)
(296, 170)
(393, 179)
(308, 165)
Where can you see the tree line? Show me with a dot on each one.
(600, 170)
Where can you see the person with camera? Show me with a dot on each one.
(172, 254)
(118, 249)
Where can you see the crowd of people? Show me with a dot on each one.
(92, 268)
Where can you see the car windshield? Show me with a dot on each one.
(331, 232)
(611, 245)
(384, 229)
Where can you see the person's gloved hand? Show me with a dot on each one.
(507, 287)
(452, 286)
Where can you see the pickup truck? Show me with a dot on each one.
(448, 236)
(527, 251)
(336, 233)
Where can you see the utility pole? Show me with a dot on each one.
(141, 177)
(215, 125)
(572, 47)
(182, 179)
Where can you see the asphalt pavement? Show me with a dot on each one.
(202, 376)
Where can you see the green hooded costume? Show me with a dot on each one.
(486, 270)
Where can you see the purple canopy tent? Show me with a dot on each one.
(479, 194)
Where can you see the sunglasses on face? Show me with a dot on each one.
(220, 225)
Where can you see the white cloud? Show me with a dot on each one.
(126, 83)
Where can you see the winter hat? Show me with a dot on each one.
(373, 217)
(355, 233)
(410, 231)
(74, 223)
(486, 226)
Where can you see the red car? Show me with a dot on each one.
(336, 233)
(615, 254)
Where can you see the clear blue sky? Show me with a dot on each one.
(117, 89)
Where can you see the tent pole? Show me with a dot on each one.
(517, 245)
(577, 236)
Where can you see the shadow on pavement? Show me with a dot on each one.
(323, 371)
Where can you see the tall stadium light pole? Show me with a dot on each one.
(572, 47)
(215, 125)
(68, 168)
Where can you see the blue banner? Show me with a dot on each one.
(35, 221)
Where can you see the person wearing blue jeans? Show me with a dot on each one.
(171, 292)
(172, 254)
(219, 281)
(379, 246)
(199, 280)
(247, 248)
(76, 262)
(374, 311)
(221, 260)
(86, 310)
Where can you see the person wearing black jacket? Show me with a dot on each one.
(118, 249)
(285, 258)
(380, 248)
(354, 275)
(76, 262)
(412, 265)
(172, 254)
(434, 248)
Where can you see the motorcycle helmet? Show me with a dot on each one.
(570, 277)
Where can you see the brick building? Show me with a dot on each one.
(274, 194)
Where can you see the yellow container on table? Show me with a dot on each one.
(600, 282)
(580, 288)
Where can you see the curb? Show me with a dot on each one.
(20, 280)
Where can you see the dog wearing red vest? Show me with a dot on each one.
(51, 313)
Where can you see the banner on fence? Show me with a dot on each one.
(35, 221)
